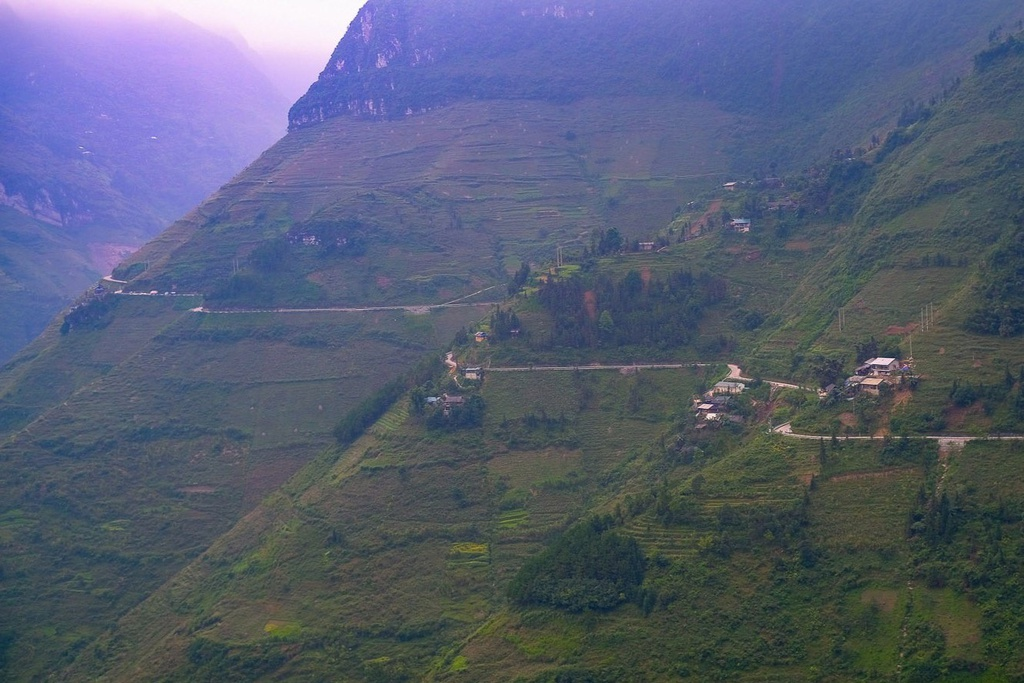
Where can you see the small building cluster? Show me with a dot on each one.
(873, 377)
(741, 225)
(309, 239)
(714, 406)
(446, 401)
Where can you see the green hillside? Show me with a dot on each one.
(230, 470)
(806, 76)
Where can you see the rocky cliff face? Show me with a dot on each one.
(40, 208)
(378, 69)
(381, 36)
(776, 59)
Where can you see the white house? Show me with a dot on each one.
(728, 388)
(740, 224)
(882, 366)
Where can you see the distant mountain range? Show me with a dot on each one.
(110, 128)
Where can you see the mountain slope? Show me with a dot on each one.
(798, 66)
(110, 128)
(402, 557)
(143, 440)
(937, 210)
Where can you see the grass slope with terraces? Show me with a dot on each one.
(766, 558)
(390, 560)
(174, 507)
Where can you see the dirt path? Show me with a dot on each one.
(701, 224)
(469, 296)
(736, 374)
(947, 449)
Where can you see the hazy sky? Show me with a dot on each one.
(295, 37)
(308, 26)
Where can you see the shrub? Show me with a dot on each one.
(590, 567)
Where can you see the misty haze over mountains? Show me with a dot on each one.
(112, 127)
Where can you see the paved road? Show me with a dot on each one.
(563, 368)
(735, 373)
(944, 440)
(420, 309)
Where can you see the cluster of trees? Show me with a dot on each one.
(933, 520)
(839, 186)
(331, 238)
(1002, 310)
(1008, 48)
(599, 310)
(504, 324)
(538, 430)
(997, 398)
(903, 450)
(94, 314)
(519, 280)
(828, 369)
(590, 567)
(603, 242)
(370, 409)
(872, 348)
(977, 548)
(258, 279)
(743, 528)
(467, 415)
(993, 319)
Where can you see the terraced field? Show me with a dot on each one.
(508, 179)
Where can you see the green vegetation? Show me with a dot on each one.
(590, 567)
(657, 313)
(258, 494)
(1002, 309)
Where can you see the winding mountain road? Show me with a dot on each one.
(735, 371)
